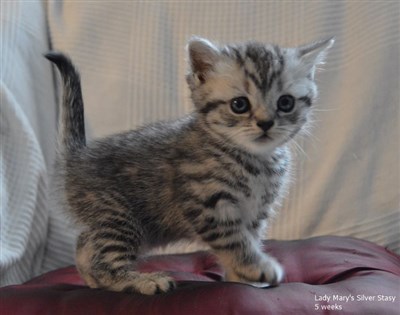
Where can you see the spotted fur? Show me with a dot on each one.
(213, 176)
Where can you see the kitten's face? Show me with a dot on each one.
(257, 96)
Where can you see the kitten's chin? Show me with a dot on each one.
(261, 145)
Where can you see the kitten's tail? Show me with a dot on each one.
(73, 124)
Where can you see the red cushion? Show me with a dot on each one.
(317, 268)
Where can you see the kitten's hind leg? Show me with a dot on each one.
(106, 259)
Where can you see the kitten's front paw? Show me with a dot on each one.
(151, 283)
(267, 271)
(272, 272)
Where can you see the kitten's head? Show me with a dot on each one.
(257, 96)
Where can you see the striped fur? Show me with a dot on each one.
(73, 115)
(213, 176)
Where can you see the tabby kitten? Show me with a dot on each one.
(213, 176)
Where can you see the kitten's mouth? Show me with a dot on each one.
(263, 138)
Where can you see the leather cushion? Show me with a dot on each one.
(316, 269)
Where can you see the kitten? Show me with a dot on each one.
(213, 176)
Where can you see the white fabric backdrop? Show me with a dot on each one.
(132, 60)
(27, 134)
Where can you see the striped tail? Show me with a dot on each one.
(73, 123)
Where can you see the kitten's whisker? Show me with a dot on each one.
(299, 148)
(325, 110)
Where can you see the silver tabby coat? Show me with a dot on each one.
(213, 176)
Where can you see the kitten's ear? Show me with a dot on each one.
(314, 54)
(203, 55)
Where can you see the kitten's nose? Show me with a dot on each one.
(265, 125)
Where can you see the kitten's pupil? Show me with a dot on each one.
(286, 103)
(240, 105)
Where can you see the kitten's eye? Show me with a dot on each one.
(240, 105)
(286, 103)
